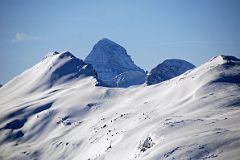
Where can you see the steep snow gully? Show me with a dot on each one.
(67, 108)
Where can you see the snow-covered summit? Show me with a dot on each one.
(110, 60)
(224, 62)
(60, 55)
(168, 69)
(223, 59)
(50, 54)
(66, 65)
(54, 69)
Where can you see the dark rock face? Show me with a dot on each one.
(113, 65)
(167, 70)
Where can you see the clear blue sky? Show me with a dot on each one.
(150, 30)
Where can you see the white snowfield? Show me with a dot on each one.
(193, 116)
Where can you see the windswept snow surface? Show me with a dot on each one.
(114, 66)
(192, 116)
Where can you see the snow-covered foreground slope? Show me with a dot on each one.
(193, 116)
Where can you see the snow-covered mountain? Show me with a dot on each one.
(54, 69)
(113, 65)
(168, 69)
(192, 116)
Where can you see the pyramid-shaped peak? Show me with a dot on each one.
(110, 59)
(109, 47)
(106, 41)
(106, 50)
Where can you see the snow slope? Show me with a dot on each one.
(168, 69)
(192, 116)
(113, 65)
(54, 69)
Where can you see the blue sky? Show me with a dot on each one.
(150, 30)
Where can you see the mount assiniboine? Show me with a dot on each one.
(108, 108)
(114, 66)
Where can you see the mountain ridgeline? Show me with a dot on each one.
(67, 108)
(116, 68)
(108, 63)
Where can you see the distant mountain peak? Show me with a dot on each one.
(168, 69)
(176, 62)
(110, 60)
(106, 41)
(106, 47)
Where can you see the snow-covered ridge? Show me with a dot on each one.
(50, 54)
(55, 110)
(223, 58)
(192, 116)
(63, 67)
(54, 69)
